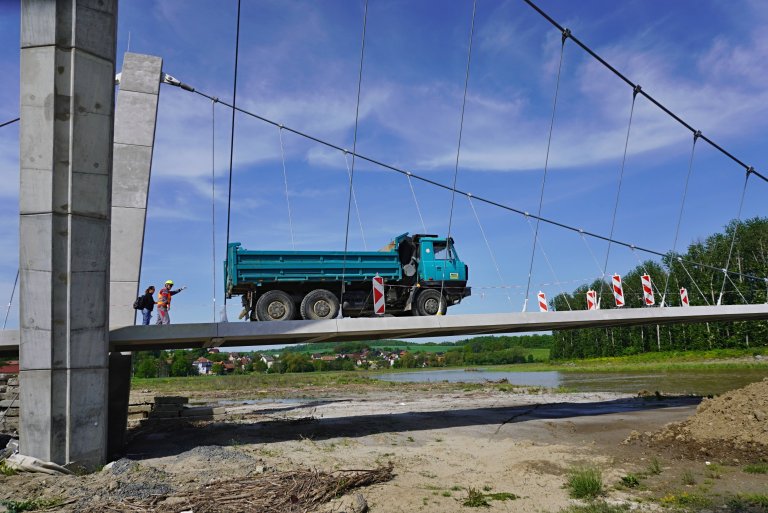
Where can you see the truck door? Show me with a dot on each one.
(438, 263)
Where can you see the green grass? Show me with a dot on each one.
(757, 468)
(29, 505)
(630, 481)
(585, 483)
(688, 478)
(654, 467)
(477, 499)
(6, 470)
(741, 502)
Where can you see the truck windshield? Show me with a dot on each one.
(441, 253)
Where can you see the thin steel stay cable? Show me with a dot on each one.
(546, 166)
(696, 136)
(537, 240)
(9, 122)
(354, 152)
(645, 94)
(487, 201)
(680, 261)
(448, 251)
(488, 245)
(232, 134)
(285, 181)
(733, 239)
(213, 200)
(357, 208)
(10, 301)
(418, 210)
(618, 188)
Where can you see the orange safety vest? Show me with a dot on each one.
(164, 298)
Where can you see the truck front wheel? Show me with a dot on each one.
(319, 304)
(429, 302)
(275, 305)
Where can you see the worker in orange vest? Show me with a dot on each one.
(164, 302)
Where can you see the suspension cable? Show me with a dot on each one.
(285, 181)
(232, 133)
(354, 152)
(737, 290)
(645, 94)
(735, 231)
(10, 301)
(696, 136)
(418, 210)
(537, 240)
(682, 264)
(213, 200)
(618, 188)
(565, 34)
(487, 201)
(488, 245)
(9, 122)
(458, 154)
(357, 208)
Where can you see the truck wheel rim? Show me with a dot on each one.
(276, 310)
(431, 306)
(322, 309)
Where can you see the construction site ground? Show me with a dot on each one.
(514, 447)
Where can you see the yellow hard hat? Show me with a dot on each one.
(169, 282)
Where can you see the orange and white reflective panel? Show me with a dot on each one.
(618, 290)
(543, 307)
(684, 297)
(648, 298)
(378, 295)
(591, 300)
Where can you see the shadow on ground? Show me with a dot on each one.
(172, 440)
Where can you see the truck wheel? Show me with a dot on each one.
(275, 305)
(428, 301)
(319, 304)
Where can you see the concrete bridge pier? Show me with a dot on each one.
(67, 95)
(135, 122)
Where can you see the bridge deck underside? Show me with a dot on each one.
(178, 336)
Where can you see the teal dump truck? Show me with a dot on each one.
(422, 275)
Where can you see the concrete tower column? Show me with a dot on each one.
(135, 121)
(67, 97)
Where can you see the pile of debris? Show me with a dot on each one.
(297, 491)
(169, 411)
(731, 427)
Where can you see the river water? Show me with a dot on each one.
(698, 382)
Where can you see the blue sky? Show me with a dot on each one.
(299, 64)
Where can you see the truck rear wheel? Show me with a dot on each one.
(275, 305)
(429, 302)
(319, 304)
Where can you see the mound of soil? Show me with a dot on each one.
(732, 426)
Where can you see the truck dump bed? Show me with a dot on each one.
(260, 267)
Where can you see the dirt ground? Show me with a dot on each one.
(440, 445)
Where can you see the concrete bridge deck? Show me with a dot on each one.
(178, 336)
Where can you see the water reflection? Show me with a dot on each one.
(698, 382)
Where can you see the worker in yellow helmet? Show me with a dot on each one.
(164, 302)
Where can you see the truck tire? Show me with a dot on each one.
(319, 304)
(275, 305)
(427, 303)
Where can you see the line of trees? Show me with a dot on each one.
(705, 286)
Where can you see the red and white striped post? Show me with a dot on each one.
(378, 295)
(648, 298)
(618, 290)
(591, 300)
(684, 297)
(543, 306)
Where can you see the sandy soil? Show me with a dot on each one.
(441, 445)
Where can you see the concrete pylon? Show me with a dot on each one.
(67, 99)
(135, 122)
